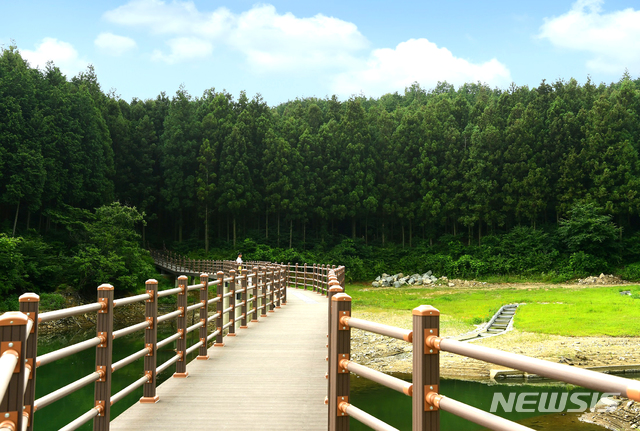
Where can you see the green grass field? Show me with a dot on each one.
(575, 311)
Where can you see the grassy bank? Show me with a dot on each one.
(569, 311)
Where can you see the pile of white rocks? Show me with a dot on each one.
(603, 279)
(399, 280)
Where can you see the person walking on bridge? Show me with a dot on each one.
(239, 263)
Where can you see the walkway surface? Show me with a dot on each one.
(269, 377)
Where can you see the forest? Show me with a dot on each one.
(468, 181)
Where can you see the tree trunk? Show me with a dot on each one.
(402, 235)
(479, 232)
(278, 228)
(234, 231)
(366, 230)
(304, 235)
(143, 235)
(28, 219)
(290, 233)
(469, 238)
(266, 235)
(383, 232)
(206, 228)
(353, 228)
(15, 220)
(410, 233)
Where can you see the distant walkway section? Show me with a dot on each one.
(269, 377)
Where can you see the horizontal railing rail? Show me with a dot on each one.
(238, 295)
(424, 388)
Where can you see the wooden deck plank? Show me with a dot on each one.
(269, 377)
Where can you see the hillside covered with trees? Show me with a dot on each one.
(468, 181)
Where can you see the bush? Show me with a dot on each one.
(583, 264)
(632, 272)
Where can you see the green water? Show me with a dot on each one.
(394, 408)
(57, 374)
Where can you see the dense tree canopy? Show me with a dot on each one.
(404, 168)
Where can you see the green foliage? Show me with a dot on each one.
(588, 231)
(632, 272)
(52, 301)
(11, 264)
(111, 252)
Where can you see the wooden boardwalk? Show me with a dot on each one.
(269, 377)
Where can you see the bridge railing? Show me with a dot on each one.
(424, 388)
(237, 297)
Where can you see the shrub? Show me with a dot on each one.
(632, 272)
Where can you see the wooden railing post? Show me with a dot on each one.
(232, 303)
(204, 315)
(277, 284)
(323, 280)
(304, 268)
(297, 276)
(104, 358)
(13, 346)
(219, 309)
(263, 283)
(29, 304)
(151, 341)
(340, 349)
(315, 277)
(181, 343)
(256, 298)
(244, 285)
(426, 368)
(272, 290)
(283, 282)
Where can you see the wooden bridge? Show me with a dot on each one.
(262, 357)
(270, 377)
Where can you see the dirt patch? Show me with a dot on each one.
(392, 355)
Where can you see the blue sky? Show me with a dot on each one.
(288, 49)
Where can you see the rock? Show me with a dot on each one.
(397, 284)
(378, 278)
(429, 273)
(411, 281)
(375, 284)
(606, 403)
(427, 281)
(451, 284)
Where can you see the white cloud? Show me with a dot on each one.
(63, 55)
(269, 41)
(612, 38)
(114, 44)
(285, 42)
(389, 70)
(184, 48)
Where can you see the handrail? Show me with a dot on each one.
(261, 286)
(66, 390)
(562, 372)
(130, 300)
(67, 351)
(72, 311)
(427, 344)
